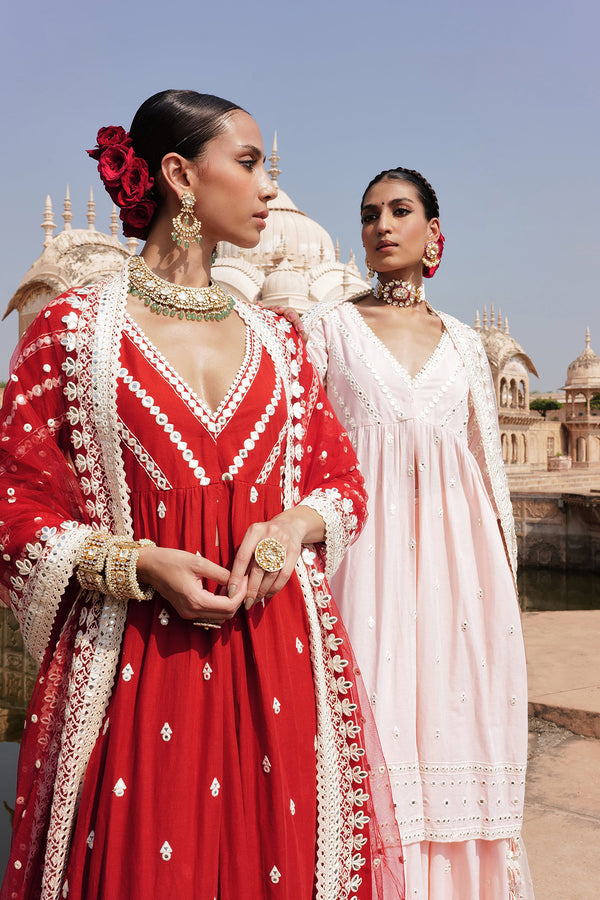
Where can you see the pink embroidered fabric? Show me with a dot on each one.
(428, 597)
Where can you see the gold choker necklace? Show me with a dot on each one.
(167, 299)
(399, 293)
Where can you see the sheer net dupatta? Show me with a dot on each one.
(387, 860)
(43, 514)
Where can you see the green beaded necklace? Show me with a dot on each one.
(163, 298)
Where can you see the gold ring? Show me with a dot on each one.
(200, 623)
(270, 555)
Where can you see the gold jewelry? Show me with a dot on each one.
(431, 256)
(102, 567)
(168, 299)
(200, 623)
(370, 269)
(186, 227)
(90, 561)
(399, 293)
(270, 554)
(121, 570)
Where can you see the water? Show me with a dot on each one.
(547, 589)
(539, 589)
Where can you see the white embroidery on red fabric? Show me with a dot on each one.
(127, 672)
(120, 788)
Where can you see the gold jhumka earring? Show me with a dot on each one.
(186, 227)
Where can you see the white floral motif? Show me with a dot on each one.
(90, 840)
(275, 875)
(163, 617)
(120, 788)
(299, 645)
(253, 494)
(161, 510)
(70, 321)
(292, 807)
(166, 732)
(127, 672)
(207, 672)
(266, 764)
(215, 788)
(166, 851)
(276, 706)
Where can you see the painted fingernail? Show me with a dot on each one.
(232, 590)
(249, 602)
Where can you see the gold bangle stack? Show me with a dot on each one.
(108, 564)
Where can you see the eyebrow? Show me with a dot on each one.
(250, 148)
(375, 206)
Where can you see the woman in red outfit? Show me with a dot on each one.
(174, 493)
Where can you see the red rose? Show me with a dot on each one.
(136, 219)
(135, 182)
(112, 135)
(112, 164)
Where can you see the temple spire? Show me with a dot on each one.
(485, 316)
(499, 319)
(587, 339)
(477, 325)
(67, 214)
(48, 223)
(506, 329)
(91, 212)
(337, 249)
(114, 222)
(274, 159)
(345, 282)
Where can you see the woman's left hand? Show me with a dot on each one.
(291, 529)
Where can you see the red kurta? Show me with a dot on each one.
(222, 753)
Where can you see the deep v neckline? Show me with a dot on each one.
(219, 417)
(429, 364)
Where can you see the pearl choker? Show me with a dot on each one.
(399, 293)
(167, 299)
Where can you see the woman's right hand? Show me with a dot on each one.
(294, 317)
(178, 577)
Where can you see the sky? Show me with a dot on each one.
(497, 104)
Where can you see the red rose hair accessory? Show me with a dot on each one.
(432, 256)
(126, 178)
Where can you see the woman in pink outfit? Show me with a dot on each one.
(428, 592)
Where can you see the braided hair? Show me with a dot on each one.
(426, 193)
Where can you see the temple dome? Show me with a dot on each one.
(289, 233)
(500, 347)
(584, 372)
(285, 286)
(74, 257)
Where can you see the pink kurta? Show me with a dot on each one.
(429, 600)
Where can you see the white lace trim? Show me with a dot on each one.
(426, 368)
(472, 353)
(97, 653)
(215, 420)
(144, 458)
(46, 585)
